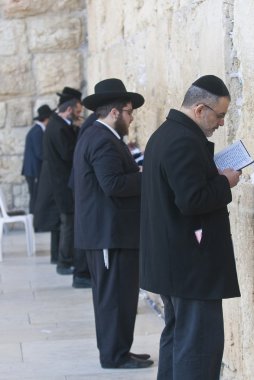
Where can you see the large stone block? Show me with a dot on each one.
(19, 112)
(54, 71)
(16, 78)
(2, 114)
(25, 8)
(10, 169)
(12, 38)
(54, 33)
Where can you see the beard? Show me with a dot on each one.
(121, 126)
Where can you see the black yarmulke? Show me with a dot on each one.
(212, 84)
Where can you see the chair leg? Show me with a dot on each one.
(1, 240)
(28, 242)
(31, 233)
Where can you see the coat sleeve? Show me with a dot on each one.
(107, 162)
(197, 186)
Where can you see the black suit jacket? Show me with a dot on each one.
(54, 195)
(182, 192)
(107, 186)
(33, 152)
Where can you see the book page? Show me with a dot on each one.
(234, 157)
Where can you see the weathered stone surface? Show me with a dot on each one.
(25, 8)
(57, 32)
(19, 112)
(16, 78)
(30, 76)
(12, 38)
(54, 71)
(10, 169)
(2, 114)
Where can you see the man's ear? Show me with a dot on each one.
(69, 110)
(114, 113)
(198, 110)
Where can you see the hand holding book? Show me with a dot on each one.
(234, 157)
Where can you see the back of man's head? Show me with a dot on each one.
(207, 88)
(70, 103)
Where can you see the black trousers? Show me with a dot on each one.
(80, 264)
(66, 240)
(115, 299)
(192, 342)
(32, 183)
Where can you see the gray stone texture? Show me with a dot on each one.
(42, 50)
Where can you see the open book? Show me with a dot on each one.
(234, 156)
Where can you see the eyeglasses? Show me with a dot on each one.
(129, 111)
(218, 115)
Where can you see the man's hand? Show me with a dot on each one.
(232, 176)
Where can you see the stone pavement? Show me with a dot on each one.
(47, 327)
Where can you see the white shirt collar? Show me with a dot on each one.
(66, 120)
(41, 125)
(110, 128)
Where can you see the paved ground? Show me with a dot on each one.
(47, 327)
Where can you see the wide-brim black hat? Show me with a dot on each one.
(109, 90)
(68, 93)
(44, 112)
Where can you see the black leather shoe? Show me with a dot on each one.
(139, 356)
(64, 270)
(131, 363)
(81, 283)
(135, 363)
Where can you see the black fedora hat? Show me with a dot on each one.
(109, 90)
(68, 93)
(44, 112)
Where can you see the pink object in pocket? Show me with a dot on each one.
(198, 234)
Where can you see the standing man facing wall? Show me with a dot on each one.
(33, 154)
(107, 186)
(186, 248)
(55, 207)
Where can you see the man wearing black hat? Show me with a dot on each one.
(107, 185)
(33, 153)
(186, 248)
(55, 207)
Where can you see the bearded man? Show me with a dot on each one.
(107, 186)
(55, 207)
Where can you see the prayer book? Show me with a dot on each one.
(234, 157)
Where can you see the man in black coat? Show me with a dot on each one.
(186, 248)
(33, 153)
(55, 207)
(107, 185)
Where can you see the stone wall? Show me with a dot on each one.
(158, 48)
(42, 49)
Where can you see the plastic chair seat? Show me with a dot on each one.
(14, 216)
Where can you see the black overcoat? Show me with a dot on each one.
(182, 192)
(107, 186)
(54, 194)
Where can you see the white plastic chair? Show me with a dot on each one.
(13, 217)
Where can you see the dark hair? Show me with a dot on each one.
(70, 103)
(195, 95)
(104, 110)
